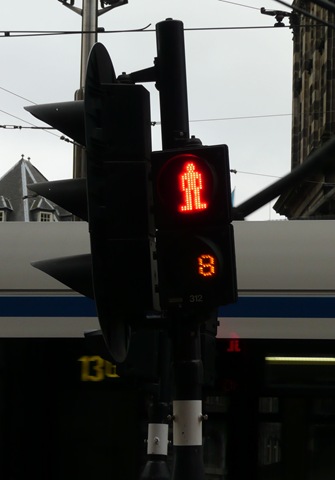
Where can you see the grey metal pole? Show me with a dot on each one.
(89, 24)
(89, 13)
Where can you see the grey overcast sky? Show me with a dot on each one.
(239, 80)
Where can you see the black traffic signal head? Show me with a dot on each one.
(195, 241)
(113, 122)
(118, 146)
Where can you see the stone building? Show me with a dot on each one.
(313, 111)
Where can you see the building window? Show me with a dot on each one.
(2, 216)
(45, 217)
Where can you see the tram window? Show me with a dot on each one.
(269, 450)
(324, 406)
(214, 447)
(268, 405)
(322, 451)
(216, 403)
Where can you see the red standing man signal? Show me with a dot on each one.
(191, 185)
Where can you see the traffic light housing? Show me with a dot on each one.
(118, 146)
(113, 122)
(195, 239)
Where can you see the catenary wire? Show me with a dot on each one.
(32, 125)
(17, 95)
(141, 30)
(47, 129)
(239, 4)
(219, 119)
(153, 123)
(233, 170)
(26, 33)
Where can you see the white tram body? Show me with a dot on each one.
(285, 271)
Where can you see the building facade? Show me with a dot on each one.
(313, 111)
(19, 204)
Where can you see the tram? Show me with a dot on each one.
(285, 271)
(67, 413)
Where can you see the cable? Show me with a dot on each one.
(239, 4)
(34, 33)
(13, 34)
(16, 95)
(39, 33)
(250, 117)
(253, 173)
(242, 118)
(20, 127)
(258, 27)
(324, 184)
(29, 123)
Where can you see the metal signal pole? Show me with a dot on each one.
(89, 13)
(188, 368)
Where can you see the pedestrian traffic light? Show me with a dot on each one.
(116, 199)
(195, 240)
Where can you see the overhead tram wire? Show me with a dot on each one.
(32, 125)
(17, 95)
(47, 130)
(257, 174)
(153, 123)
(322, 3)
(239, 4)
(42, 33)
(247, 117)
(146, 29)
(28, 33)
(221, 119)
